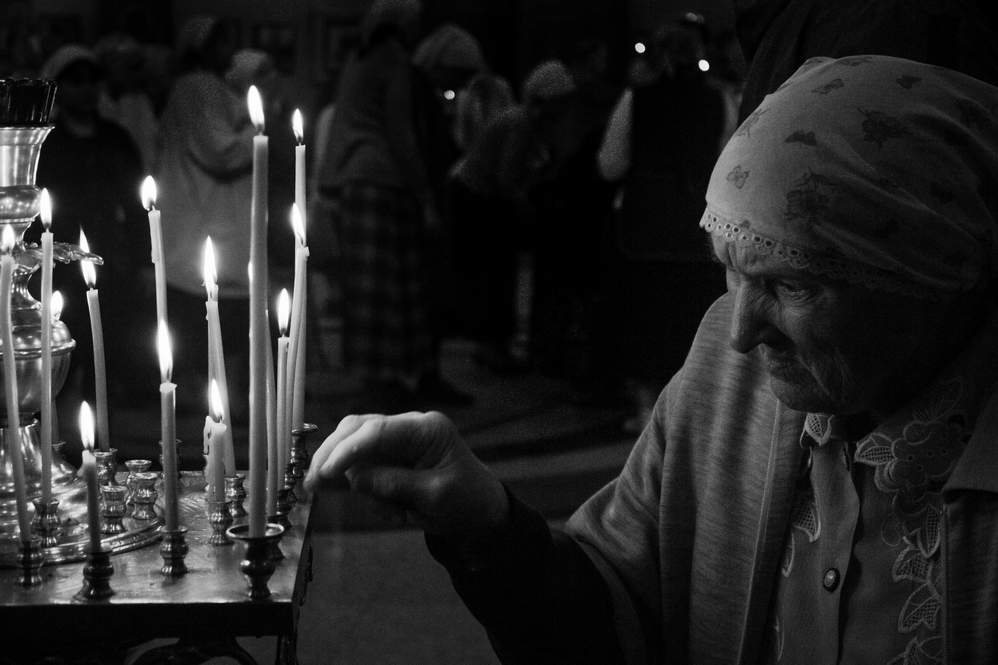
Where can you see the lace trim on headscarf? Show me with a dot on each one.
(820, 264)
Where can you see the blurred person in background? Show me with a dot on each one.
(660, 144)
(445, 61)
(123, 98)
(484, 230)
(90, 166)
(375, 167)
(204, 178)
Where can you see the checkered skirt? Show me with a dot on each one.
(386, 331)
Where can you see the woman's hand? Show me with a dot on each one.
(418, 463)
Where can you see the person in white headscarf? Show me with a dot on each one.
(819, 481)
(204, 180)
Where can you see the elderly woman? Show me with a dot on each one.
(819, 483)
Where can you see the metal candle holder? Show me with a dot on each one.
(257, 565)
(97, 572)
(285, 502)
(134, 466)
(107, 466)
(220, 521)
(173, 549)
(112, 509)
(30, 557)
(235, 494)
(144, 495)
(46, 524)
(298, 457)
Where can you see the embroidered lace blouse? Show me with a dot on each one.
(860, 576)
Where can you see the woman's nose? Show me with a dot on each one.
(749, 326)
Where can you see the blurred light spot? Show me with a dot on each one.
(703, 65)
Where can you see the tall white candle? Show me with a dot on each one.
(97, 332)
(45, 212)
(296, 369)
(13, 434)
(57, 303)
(148, 195)
(88, 469)
(168, 425)
(283, 312)
(216, 353)
(215, 430)
(259, 344)
(296, 353)
(273, 485)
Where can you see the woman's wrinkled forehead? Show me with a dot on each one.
(871, 169)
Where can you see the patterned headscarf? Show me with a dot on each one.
(871, 169)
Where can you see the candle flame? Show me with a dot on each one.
(87, 425)
(255, 106)
(283, 311)
(298, 126)
(7, 239)
(298, 224)
(147, 192)
(215, 401)
(45, 208)
(165, 351)
(209, 271)
(56, 303)
(88, 268)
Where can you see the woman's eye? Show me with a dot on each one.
(792, 289)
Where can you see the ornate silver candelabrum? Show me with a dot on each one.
(24, 110)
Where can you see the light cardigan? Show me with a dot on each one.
(689, 537)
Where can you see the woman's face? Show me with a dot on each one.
(831, 347)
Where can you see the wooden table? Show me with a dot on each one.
(207, 608)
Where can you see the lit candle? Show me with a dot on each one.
(97, 331)
(296, 352)
(13, 438)
(214, 436)
(168, 425)
(280, 454)
(296, 372)
(216, 353)
(88, 469)
(259, 343)
(148, 195)
(45, 212)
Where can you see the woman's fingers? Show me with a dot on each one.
(345, 428)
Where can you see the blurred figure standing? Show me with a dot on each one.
(123, 99)
(204, 178)
(660, 144)
(90, 165)
(375, 169)
(484, 230)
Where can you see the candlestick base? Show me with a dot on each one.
(112, 508)
(285, 502)
(134, 467)
(97, 572)
(30, 557)
(298, 458)
(173, 549)
(107, 466)
(288, 497)
(235, 494)
(144, 495)
(257, 565)
(45, 524)
(220, 521)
